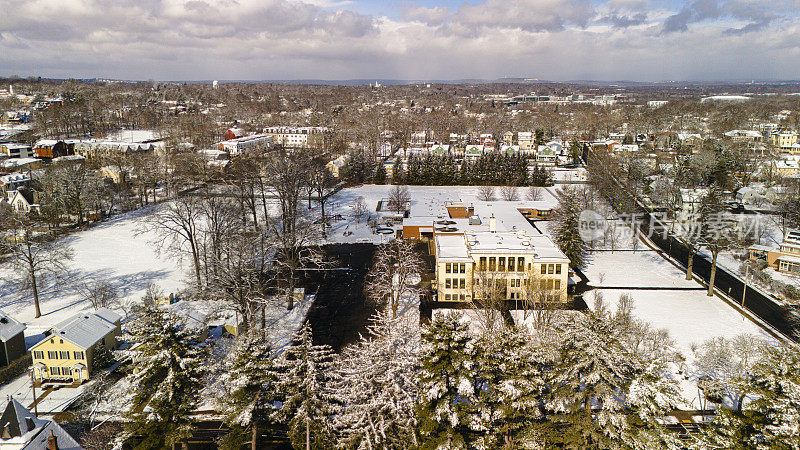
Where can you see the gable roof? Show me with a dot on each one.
(20, 429)
(9, 327)
(86, 329)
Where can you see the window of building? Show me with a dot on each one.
(501, 264)
(38, 354)
(492, 264)
(461, 297)
(558, 285)
(542, 284)
(78, 355)
(462, 268)
(520, 264)
(550, 285)
(551, 268)
(482, 263)
(447, 297)
(544, 269)
(462, 283)
(52, 354)
(558, 269)
(510, 264)
(447, 283)
(63, 355)
(447, 268)
(55, 371)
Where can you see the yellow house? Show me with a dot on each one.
(65, 354)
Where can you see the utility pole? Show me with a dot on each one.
(33, 388)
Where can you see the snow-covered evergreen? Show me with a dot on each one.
(166, 377)
(377, 386)
(305, 376)
(448, 396)
(247, 388)
(510, 369)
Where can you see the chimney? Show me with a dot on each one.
(492, 224)
(52, 443)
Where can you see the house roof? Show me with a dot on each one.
(28, 432)
(86, 329)
(9, 327)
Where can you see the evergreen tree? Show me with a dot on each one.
(566, 229)
(377, 386)
(248, 387)
(588, 386)
(398, 174)
(447, 403)
(380, 175)
(305, 376)
(772, 419)
(512, 386)
(166, 379)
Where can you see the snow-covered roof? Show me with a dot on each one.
(85, 330)
(451, 246)
(28, 432)
(9, 327)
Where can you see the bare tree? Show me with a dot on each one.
(535, 193)
(175, 226)
(101, 294)
(36, 257)
(489, 298)
(360, 209)
(397, 265)
(486, 193)
(399, 198)
(509, 193)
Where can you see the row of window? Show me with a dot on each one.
(455, 297)
(455, 268)
(52, 354)
(60, 371)
(455, 283)
(502, 264)
(551, 269)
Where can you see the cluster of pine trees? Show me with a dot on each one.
(489, 169)
(579, 380)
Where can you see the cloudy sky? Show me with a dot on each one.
(647, 40)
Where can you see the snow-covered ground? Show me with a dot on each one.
(56, 401)
(112, 251)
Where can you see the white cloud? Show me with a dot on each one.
(278, 39)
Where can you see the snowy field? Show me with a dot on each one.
(111, 251)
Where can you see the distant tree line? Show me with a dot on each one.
(488, 169)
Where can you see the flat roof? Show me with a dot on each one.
(451, 246)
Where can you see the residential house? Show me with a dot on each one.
(336, 166)
(24, 200)
(65, 354)
(525, 139)
(22, 430)
(12, 181)
(473, 151)
(746, 136)
(12, 336)
(785, 258)
(785, 141)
